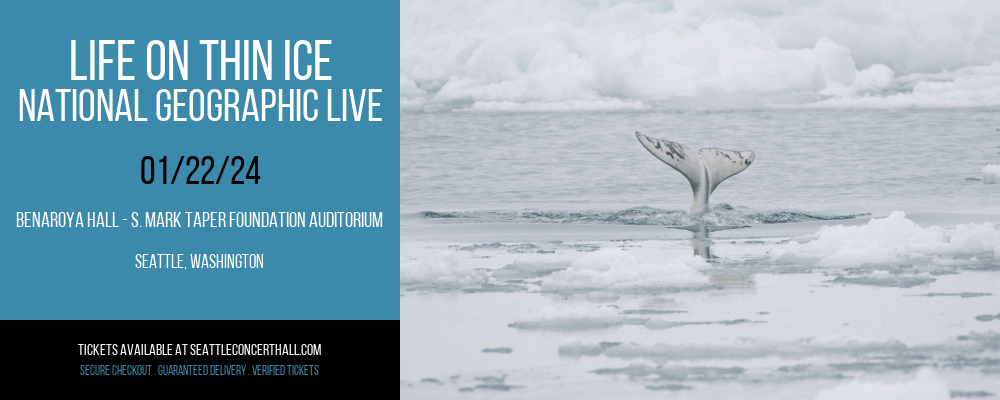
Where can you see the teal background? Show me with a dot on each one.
(89, 273)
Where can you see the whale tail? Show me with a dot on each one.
(705, 170)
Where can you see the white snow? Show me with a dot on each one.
(573, 318)
(887, 240)
(925, 386)
(616, 269)
(442, 271)
(990, 173)
(533, 56)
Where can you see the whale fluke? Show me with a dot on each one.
(705, 170)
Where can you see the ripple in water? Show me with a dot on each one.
(721, 215)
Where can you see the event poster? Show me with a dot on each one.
(699, 199)
(201, 190)
(622, 199)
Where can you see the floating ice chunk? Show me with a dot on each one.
(663, 324)
(603, 260)
(501, 350)
(990, 173)
(885, 278)
(873, 79)
(443, 271)
(674, 373)
(528, 270)
(574, 319)
(927, 385)
(888, 240)
(616, 269)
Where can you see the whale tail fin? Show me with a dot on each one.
(676, 155)
(705, 170)
(721, 164)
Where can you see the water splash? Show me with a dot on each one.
(720, 215)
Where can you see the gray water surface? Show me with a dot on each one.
(836, 161)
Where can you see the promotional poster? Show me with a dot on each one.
(699, 199)
(197, 190)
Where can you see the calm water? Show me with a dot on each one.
(611, 302)
(837, 161)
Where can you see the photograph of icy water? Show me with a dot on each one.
(545, 253)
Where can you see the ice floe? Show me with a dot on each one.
(990, 173)
(889, 240)
(441, 272)
(925, 386)
(575, 318)
(616, 269)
